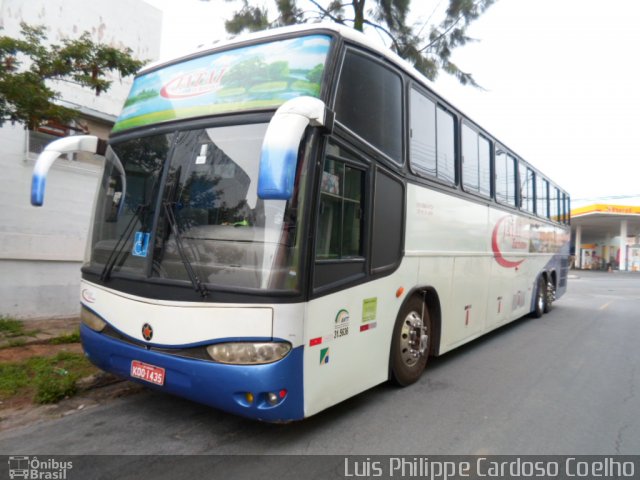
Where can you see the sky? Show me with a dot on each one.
(560, 83)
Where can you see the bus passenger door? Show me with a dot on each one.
(358, 246)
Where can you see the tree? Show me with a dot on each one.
(427, 46)
(27, 65)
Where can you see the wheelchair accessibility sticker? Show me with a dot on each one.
(140, 244)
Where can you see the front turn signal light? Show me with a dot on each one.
(91, 320)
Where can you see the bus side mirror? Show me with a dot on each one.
(75, 143)
(279, 157)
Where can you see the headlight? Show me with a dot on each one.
(91, 320)
(248, 353)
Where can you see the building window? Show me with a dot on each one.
(38, 139)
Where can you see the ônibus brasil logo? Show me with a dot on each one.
(32, 468)
(193, 83)
(508, 238)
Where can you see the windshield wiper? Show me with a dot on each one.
(193, 276)
(122, 241)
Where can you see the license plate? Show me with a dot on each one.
(146, 372)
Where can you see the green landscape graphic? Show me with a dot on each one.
(255, 77)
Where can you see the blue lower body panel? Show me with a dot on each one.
(214, 384)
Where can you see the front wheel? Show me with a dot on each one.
(410, 343)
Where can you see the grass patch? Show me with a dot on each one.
(44, 379)
(73, 337)
(10, 327)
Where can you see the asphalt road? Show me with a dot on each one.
(568, 383)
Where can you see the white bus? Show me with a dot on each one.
(293, 217)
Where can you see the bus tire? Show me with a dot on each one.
(540, 304)
(410, 343)
(550, 292)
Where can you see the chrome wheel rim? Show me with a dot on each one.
(413, 339)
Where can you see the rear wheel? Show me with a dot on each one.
(410, 343)
(550, 292)
(541, 298)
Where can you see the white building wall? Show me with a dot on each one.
(41, 249)
(118, 23)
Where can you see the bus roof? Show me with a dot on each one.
(347, 33)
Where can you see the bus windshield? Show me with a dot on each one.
(190, 202)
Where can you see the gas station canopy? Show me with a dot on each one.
(606, 232)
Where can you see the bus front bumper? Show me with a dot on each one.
(218, 385)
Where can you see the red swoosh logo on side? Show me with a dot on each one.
(496, 249)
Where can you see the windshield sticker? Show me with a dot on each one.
(140, 244)
(255, 77)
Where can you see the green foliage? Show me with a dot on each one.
(10, 331)
(29, 63)
(48, 378)
(10, 327)
(73, 337)
(426, 46)
(55, 386)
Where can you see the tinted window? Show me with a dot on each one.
(388, 214)
(542, 189)
(512, 182)
(470, 176)
(476, 162)
(340, 221)
(433, 136)
(566, 208)
(527, 185)
(369, 102)
(554, 204)
(446, 150)
(505, 178)
(423, 134)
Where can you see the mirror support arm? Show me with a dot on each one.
(75, 143)
(279, 157)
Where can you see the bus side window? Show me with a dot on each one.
(423, 134)
(542, 194)
(340, 221)
(369, 102)
(388, 218)
(527, 185)
(505, 178)
(433, 134)
(476, 162)
(554, 202)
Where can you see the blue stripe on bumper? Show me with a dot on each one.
(214, 384)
